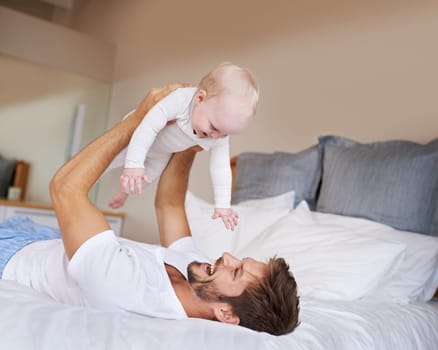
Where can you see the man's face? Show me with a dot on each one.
(227, 276)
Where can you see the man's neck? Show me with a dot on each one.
(192, 304)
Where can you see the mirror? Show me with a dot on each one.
(38, 107)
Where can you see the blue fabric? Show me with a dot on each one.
(392, 182)
(261, 175)
(17, 232)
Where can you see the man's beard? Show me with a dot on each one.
(205, 290)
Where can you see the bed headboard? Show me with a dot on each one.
(233, 163)
(21, 174)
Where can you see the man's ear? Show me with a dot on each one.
(224, 313)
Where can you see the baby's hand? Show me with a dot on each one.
(131, 180)
(228, 215)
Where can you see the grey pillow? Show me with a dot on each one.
(392, 182)
(261, 175)
(7, 167)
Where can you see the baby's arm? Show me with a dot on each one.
(220, 171)
(142, 139)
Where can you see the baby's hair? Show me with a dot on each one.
(229, 79)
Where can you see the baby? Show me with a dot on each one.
(222, 105)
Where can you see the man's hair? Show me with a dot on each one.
(229, 79)
(270, 305)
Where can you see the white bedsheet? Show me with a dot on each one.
(29, 320)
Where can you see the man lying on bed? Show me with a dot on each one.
(175, 282)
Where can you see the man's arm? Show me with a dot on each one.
(78, 218)
(170, 197)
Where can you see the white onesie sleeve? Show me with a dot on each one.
(220, 172)
(156, 119)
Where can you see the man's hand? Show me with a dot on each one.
(228, 215)
(155, 95)
(132, 179)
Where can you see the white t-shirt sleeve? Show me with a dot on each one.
(220, 172)
(109, 274)
(156, 119)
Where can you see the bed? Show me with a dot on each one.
(358, 225)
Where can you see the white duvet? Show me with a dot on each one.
(361, 286)
(29, 320)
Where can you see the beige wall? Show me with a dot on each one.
(363, 69)
(47, 43)
(46, 71)
(37, 106)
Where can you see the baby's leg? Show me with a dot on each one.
(155, 164)
(118, 200)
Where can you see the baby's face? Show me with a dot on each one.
(220, 116)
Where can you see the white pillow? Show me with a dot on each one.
(416, 278)
(327, 260)
(282, 201)
(211, 236)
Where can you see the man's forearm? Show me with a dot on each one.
(174, 180)
(83, 170)
(170, 198)
(78, 218)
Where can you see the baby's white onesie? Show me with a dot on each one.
(153, 143)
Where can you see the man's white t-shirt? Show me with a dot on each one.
(107, 273)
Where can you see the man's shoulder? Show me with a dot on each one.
(126, 242)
